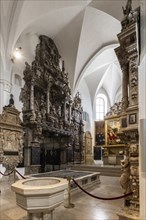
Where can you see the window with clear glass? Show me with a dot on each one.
(101, 106)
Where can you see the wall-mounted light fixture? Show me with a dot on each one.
(17, 54)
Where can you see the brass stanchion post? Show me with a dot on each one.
(14, 175)
(69, 204)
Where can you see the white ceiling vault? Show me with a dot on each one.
(85, 33)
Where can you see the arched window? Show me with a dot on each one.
(101, 106)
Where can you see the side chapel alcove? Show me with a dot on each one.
(52, 120)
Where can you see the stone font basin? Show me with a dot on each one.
(41, 194)
(40, 182)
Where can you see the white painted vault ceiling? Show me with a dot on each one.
(85, 33)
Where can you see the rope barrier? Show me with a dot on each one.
(71, 205)
(20, 174)
(97, 197)
(11, 173)
(7, 173)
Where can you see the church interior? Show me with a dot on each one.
(73, 110)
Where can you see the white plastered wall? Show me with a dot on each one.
(86, 103)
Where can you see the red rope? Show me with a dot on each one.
(97, 197)
(11, 173)
(20, 174)
(7, 173)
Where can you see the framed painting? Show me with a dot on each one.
(99, 133)
(132, 118)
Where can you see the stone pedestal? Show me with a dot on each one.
(41, 216)
(127, 214)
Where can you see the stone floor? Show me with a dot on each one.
(86, 207)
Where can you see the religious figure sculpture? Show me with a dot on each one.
(125, 176)
(128, 8)
(11, 101)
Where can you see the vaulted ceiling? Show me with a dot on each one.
(85, 33)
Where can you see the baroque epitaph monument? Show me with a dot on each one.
(52, 119)
(128, 56)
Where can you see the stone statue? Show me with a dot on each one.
(11, 101)
(125, 177)
(128, 8)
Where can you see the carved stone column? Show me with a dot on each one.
(134, 167)
(122, 57)
(133, 79)
(27, 150)
(129, 44)
(65, 109)
(32, 95)
(32, 117)
(69, 112)
(125, 86)
(48, 98)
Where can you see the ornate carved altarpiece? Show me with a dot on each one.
(52, 119)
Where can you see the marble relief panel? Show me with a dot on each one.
(12, 140)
